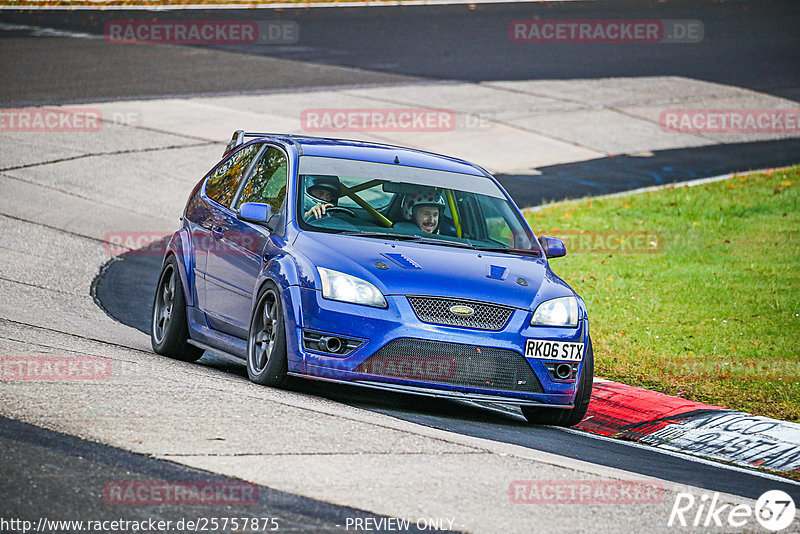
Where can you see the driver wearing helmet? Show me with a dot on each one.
(424, 208)
(324, 188)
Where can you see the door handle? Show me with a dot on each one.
(217, 232)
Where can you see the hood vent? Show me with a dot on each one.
(402, 261)
(497, 272)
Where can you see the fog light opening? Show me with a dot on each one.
(330, 344)
(564, 371)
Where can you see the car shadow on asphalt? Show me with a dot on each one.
(400, 405)
(124, 289)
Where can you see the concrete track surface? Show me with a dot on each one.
(61, 205)
(320, 456)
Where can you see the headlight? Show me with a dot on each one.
(562, 311)
(346, 288)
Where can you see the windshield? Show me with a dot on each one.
(408, 203)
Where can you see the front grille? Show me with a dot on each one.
(454, 364)
(436, 310)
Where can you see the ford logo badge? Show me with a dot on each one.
(461, 310)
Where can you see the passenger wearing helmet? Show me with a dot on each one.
(325, 188)
(424, 208)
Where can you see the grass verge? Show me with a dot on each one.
(692, 291)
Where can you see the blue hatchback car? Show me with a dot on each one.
(376, 266)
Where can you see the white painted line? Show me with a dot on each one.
(685, 456)
(689, 183)
(108, 6)
(676, 185)
(39, 31)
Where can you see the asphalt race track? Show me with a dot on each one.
(135, 274)
(45, 470)
(205, 422)
(747, 44)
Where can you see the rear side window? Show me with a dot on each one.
(222, 184)
(267, 183)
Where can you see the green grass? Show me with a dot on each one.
(712, 313)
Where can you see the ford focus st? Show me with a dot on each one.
(376, 266)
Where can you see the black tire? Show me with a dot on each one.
(169, 331)
(266, 341)
(561, 417)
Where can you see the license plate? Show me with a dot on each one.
(554, 350)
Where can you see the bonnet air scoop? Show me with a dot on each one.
(401, 260)
(497, 272)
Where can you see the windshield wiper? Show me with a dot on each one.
(445, 242)
(504, 248)
(414, 238)
(383, 235)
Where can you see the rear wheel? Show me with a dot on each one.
(266, 342)
(169, 331)
(561, 417)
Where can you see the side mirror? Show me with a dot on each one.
(255, 213)
(553, 247)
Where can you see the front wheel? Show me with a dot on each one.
(561, 417)
(169, 331)
(266, 341)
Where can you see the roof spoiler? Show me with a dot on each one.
(238, 138)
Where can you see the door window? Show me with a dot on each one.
(267, 183)
(221, 186)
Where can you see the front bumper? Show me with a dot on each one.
(429, 373)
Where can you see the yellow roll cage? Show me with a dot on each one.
(352, 194)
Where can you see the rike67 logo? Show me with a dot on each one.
(775, 510)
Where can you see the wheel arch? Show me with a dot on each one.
(180, 248)
(283, 273)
